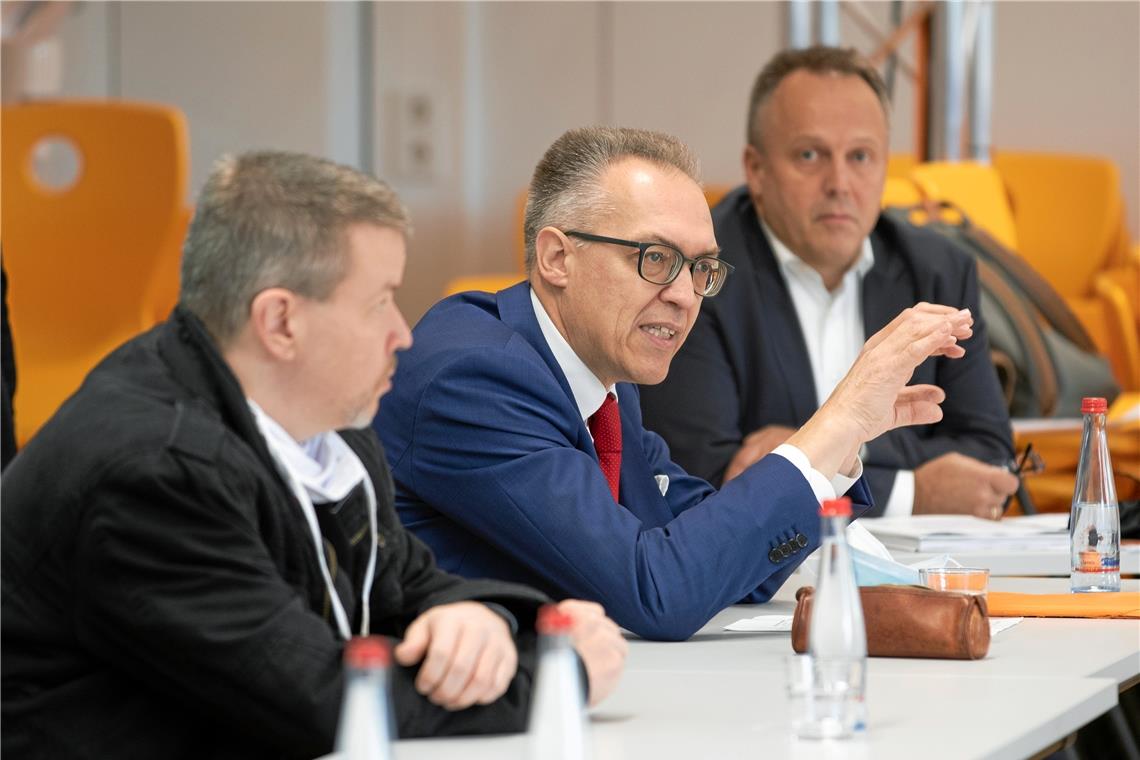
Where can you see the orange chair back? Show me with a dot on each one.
(900, 191)
(900, 165)
(1068, 213)
(975, 188)
(81, 259)
(490, 283)
(714, 193)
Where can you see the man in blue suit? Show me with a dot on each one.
(514, 431)
(822, 270)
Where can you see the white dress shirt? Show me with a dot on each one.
(589, 393)
(832, 325)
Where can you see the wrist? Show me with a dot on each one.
(828, 441)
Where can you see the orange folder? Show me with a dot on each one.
(1121, 604)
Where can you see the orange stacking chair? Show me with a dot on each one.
(1070, 221)
(975, 188)
(901, 191)
(82, 259)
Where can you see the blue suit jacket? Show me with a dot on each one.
(745, 363)
(496, 471)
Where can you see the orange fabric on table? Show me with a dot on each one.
(1120, 604)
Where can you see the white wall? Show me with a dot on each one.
(504, 79)
(1067, 79)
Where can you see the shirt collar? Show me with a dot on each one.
(790, 261)
(587, 389)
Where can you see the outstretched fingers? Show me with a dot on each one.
(918, 405)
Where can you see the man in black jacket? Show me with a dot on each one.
(818, 271)
(187, 544)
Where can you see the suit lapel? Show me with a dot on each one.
(516, 310)
(781, 328)
(882, 297)
(639, 492)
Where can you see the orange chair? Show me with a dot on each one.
(1070, 221)
(82, 260)
(975, 188)
(900, 191)
(715, 192)
(162, 293)
(900, 165)
(490, 283)
(1069, 215)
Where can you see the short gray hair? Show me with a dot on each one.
(565, 188)
(275, 219)
(818, 59)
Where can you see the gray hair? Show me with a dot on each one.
(275, 219)
(818, 59)
(565, 188)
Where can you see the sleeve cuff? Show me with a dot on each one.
(842, 483)
(505, 614)
(820, 485)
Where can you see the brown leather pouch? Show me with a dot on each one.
(911, 621)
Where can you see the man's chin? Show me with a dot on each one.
(364, 418)
(651, 375)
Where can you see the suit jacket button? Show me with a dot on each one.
(801, 540)
(785, 550)
(775, 556)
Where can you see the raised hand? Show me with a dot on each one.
(873, 397)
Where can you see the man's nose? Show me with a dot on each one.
(680, 291)
(837, 178)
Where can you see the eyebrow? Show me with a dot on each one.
(666, 241)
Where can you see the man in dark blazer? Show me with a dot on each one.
(818, 270)
(514, 430)
(191, 539)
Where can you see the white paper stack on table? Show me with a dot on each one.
(963, 534)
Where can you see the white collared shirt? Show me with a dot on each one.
(589, 393)
(832, 325)
(587, 389)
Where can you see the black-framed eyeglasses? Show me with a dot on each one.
(660, 263)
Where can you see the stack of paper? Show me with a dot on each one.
(962, 534)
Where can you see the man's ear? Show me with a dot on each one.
(275, 321)
(551, 248)
(753, 170)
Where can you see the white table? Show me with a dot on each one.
(1078, 648)
(722, 695)
(669, 714)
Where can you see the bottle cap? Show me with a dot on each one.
(367, 652)
(553, 621)
(1091, 405)
(840, 507)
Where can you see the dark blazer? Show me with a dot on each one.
(496, 471)
(161, 592)
(745, 363)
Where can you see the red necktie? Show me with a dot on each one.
(605, 426)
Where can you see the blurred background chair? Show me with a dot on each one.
(975, 188)
(490, 283)
(901, 191)
(1069, 214)
(89, 261)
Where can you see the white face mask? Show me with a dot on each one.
(322, 469)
